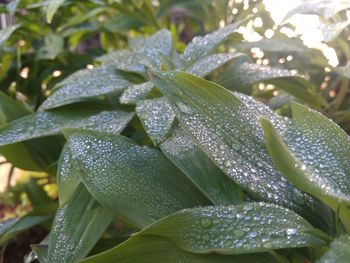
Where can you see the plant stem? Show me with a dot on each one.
(336, 103)
(9, 177)
(150, 10)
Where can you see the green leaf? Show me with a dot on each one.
(85, 84)
(42, 124)
(205, 66)
(324, 8)
(135, 92)
(11, 109)
(137, 183)
(228, 131)
(151, 249)
(156, 117)
(36, 194)
(77, 227)
(16, 226)
(53, 46)
(248, 228)
(193, 162)
(7, 32)
(339, 251)
(52, 8)
(330, 31)
(203, 46)
(313, 153)
(123, 22)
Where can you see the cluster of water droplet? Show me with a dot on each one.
(135, 92)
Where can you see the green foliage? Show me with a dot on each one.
(166, 148)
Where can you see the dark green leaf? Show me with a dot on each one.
(138, 183)
(52, 8)
(77, 227)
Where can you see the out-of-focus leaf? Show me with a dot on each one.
(248, 228)
(229, 132)
(16, 226)
(123, 22)
(6, 33)
(339, 251)
(138, 183)
(53, 45)
(86, 84)
(313, 153)
(77, 227)
(330, 31)
(152, 249)
(324, 8)
(135, 92)
(203, 46)
(36, 194)
(156, 117)
(42, 124)
(193, 162)
(11, 109)
(208, 64)
(52, 8)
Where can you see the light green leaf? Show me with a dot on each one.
(39, 214)
(203, 46)
(53, 46)
(137, 183)
(86, 84)
(324, 8)
(151, 249)
(228, 131)
(135, 92)
(7, 32)
(193, 162)
(77, 227)
(209, 64)
(156, 117)
(313, 153)
(339, 251)
(42, 124)
(52, 8)
(248, 228)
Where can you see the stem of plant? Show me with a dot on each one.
(9, 177)
(150, 10)
(336, 103)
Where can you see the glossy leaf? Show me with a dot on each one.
(85, 84)
(5, 33)
(229, 132)
(135, 92)
(193, 162)
(156, 117)
(339, 251)
(203, 46)
(248, 228)
(152, 249)
(42, 124)
(313, 153)
(52, 8)
(208, 64)
(138, 183)
(77, 227)
(330, 31)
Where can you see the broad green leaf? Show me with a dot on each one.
(193, 162)
(228, 131)
(52, 8)
(11, 109)
(313, 153)
(68, 178)
(152, 249)
(39, 214)
(77, 227)
(208, 64)
(157, 47)
(137, 183)
(135, 92)
(203, 46)
(86, 84)
(53, 45)
(156, 117)
(5, 33)
(248, 228)
(42, 124)
(324, 8)
(123, 22)
(68, 174)
(339, 251)
(127, 60)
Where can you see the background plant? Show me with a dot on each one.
(139, 140)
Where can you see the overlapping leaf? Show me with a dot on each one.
(229, 132)
(135, 92)
(339, 251)
(137, 183)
